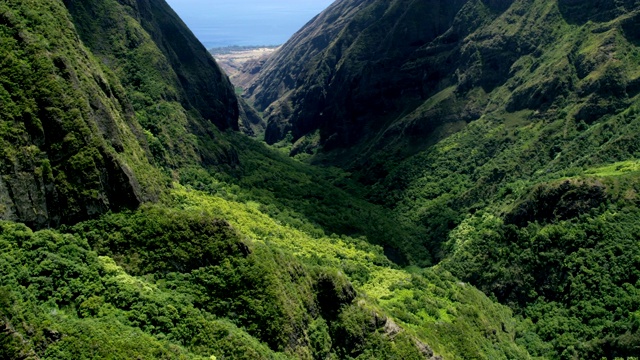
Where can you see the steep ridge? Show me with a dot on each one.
(174, 85)
(356, 60)
(74, 147)
(509, 133)
(372, 77)
(68, 128)
(195, 80)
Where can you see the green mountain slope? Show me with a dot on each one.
(67, 127)
(149, 33)
(176, 89)
(86, 117)
(508, 130)
(154, 231)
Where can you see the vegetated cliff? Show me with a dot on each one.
(77, 84)
(408, 69)
(508, 130)
(353, 63)
(67, 125)
(128, 32)
(176, 88)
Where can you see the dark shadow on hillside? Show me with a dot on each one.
(498, 5)
(631, 29)
(578, 12)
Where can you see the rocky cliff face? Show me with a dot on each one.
(70, 109)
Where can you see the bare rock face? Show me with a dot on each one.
(391, 329)
(424, 349)
(23, 198)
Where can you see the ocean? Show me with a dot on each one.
(220, 23)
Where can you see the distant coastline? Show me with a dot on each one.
(225, 50)
(219, 23)
(241, 62)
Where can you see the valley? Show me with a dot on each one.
(400, 180)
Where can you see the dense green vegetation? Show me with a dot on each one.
(295, 193)
(505, 131)
(242, 253)
(573, 271)
(545, 204)
(66, 132)
(184, 284)
(153, 230)
(176, 90)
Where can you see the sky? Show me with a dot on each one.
(219, 23)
